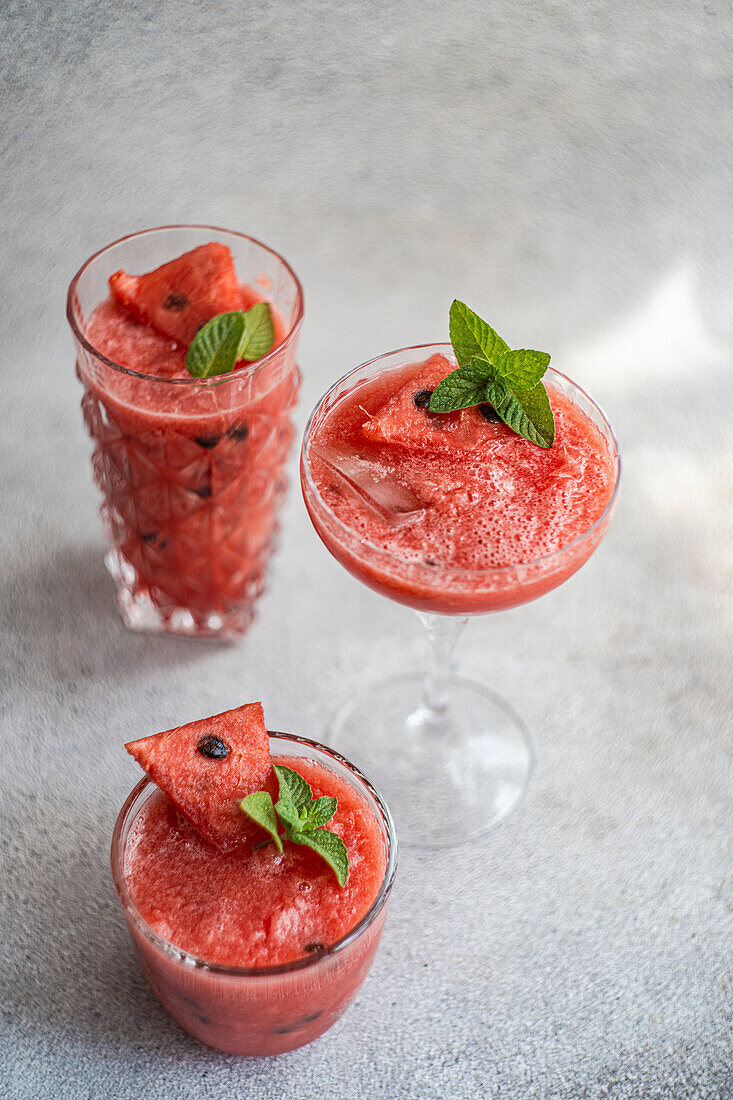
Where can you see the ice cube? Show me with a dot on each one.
(391, 501)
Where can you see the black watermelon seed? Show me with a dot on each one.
(422, 398)
(164, 543)
(149, 536)
(213, 747)
(314, 946)
(197, 1010)
(489, 413)
(207, 441)
(238, 433)
(204, 492)
(429, 561)
(175, 301)
(287, 1028)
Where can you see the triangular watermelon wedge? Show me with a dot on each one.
(179, 297)
(207, 766)
(405, 420)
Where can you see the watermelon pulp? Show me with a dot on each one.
(252, 906)
(402, 423)
(180, 296)
(206, 767)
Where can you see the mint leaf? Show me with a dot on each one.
(214, 348)
(289, 815)
(527, 413)
(330, 847)
(471, 336)
(227, 338)
(489, 371)
(522, 369)
(259, 333)
(258, 806)
(321, 811)
(303, 817)
(462, 388)
(293, 788)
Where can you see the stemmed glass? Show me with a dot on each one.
(444, 749)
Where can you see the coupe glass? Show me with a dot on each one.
(442, 748)
(191, 470)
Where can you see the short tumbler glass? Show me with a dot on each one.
(191, 470)
(265, 1009)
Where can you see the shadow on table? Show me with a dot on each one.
(60, 613)
(83, 984)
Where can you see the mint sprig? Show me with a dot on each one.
(227, 338)
(259, 807)
(489, 371)
(471, 336)
(303, 818)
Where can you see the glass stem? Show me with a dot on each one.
(442, 632)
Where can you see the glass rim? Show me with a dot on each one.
(187, 957)
(245, 371)
(447, 570)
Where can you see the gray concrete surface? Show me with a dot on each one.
(566, 168)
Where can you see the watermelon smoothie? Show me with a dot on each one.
(191, 470)
(251, 951)
(453, 513)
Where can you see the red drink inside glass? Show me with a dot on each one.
(453, 513)
(191, 470)
(251, 951)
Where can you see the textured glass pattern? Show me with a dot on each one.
(191, 472)
(192, 521)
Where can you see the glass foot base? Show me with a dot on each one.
(446, 782)
(141, 613)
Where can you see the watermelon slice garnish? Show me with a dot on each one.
(405, 420)
(207, 766)
(181, 296)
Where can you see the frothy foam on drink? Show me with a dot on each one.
(485, 496)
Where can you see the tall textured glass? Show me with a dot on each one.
(191, 470)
